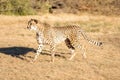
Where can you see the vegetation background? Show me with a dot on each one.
(30, 7)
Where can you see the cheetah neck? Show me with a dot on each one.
(39, 32)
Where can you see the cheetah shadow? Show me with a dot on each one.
(18, 52)
(57, 54)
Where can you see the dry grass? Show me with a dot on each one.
(88, 22)
(17, 44)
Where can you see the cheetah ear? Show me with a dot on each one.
(36, 21)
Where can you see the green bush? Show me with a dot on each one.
(104, 7)
(29, 7)
(16, 7)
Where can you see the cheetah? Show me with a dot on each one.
(70, 34)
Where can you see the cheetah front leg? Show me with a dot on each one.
(39, 50)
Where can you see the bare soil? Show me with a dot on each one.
(18, 45)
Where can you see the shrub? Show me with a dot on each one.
(28, 7)
(17, 7)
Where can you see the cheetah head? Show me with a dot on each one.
(32, 24)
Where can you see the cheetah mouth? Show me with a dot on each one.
(28, 28)
(32, 28)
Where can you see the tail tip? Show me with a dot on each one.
(100, 43)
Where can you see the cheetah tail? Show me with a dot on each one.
(89, 40)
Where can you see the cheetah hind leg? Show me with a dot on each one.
(72, 54)
(72, 49)
(83, 51)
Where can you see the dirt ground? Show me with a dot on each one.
(18, 45)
